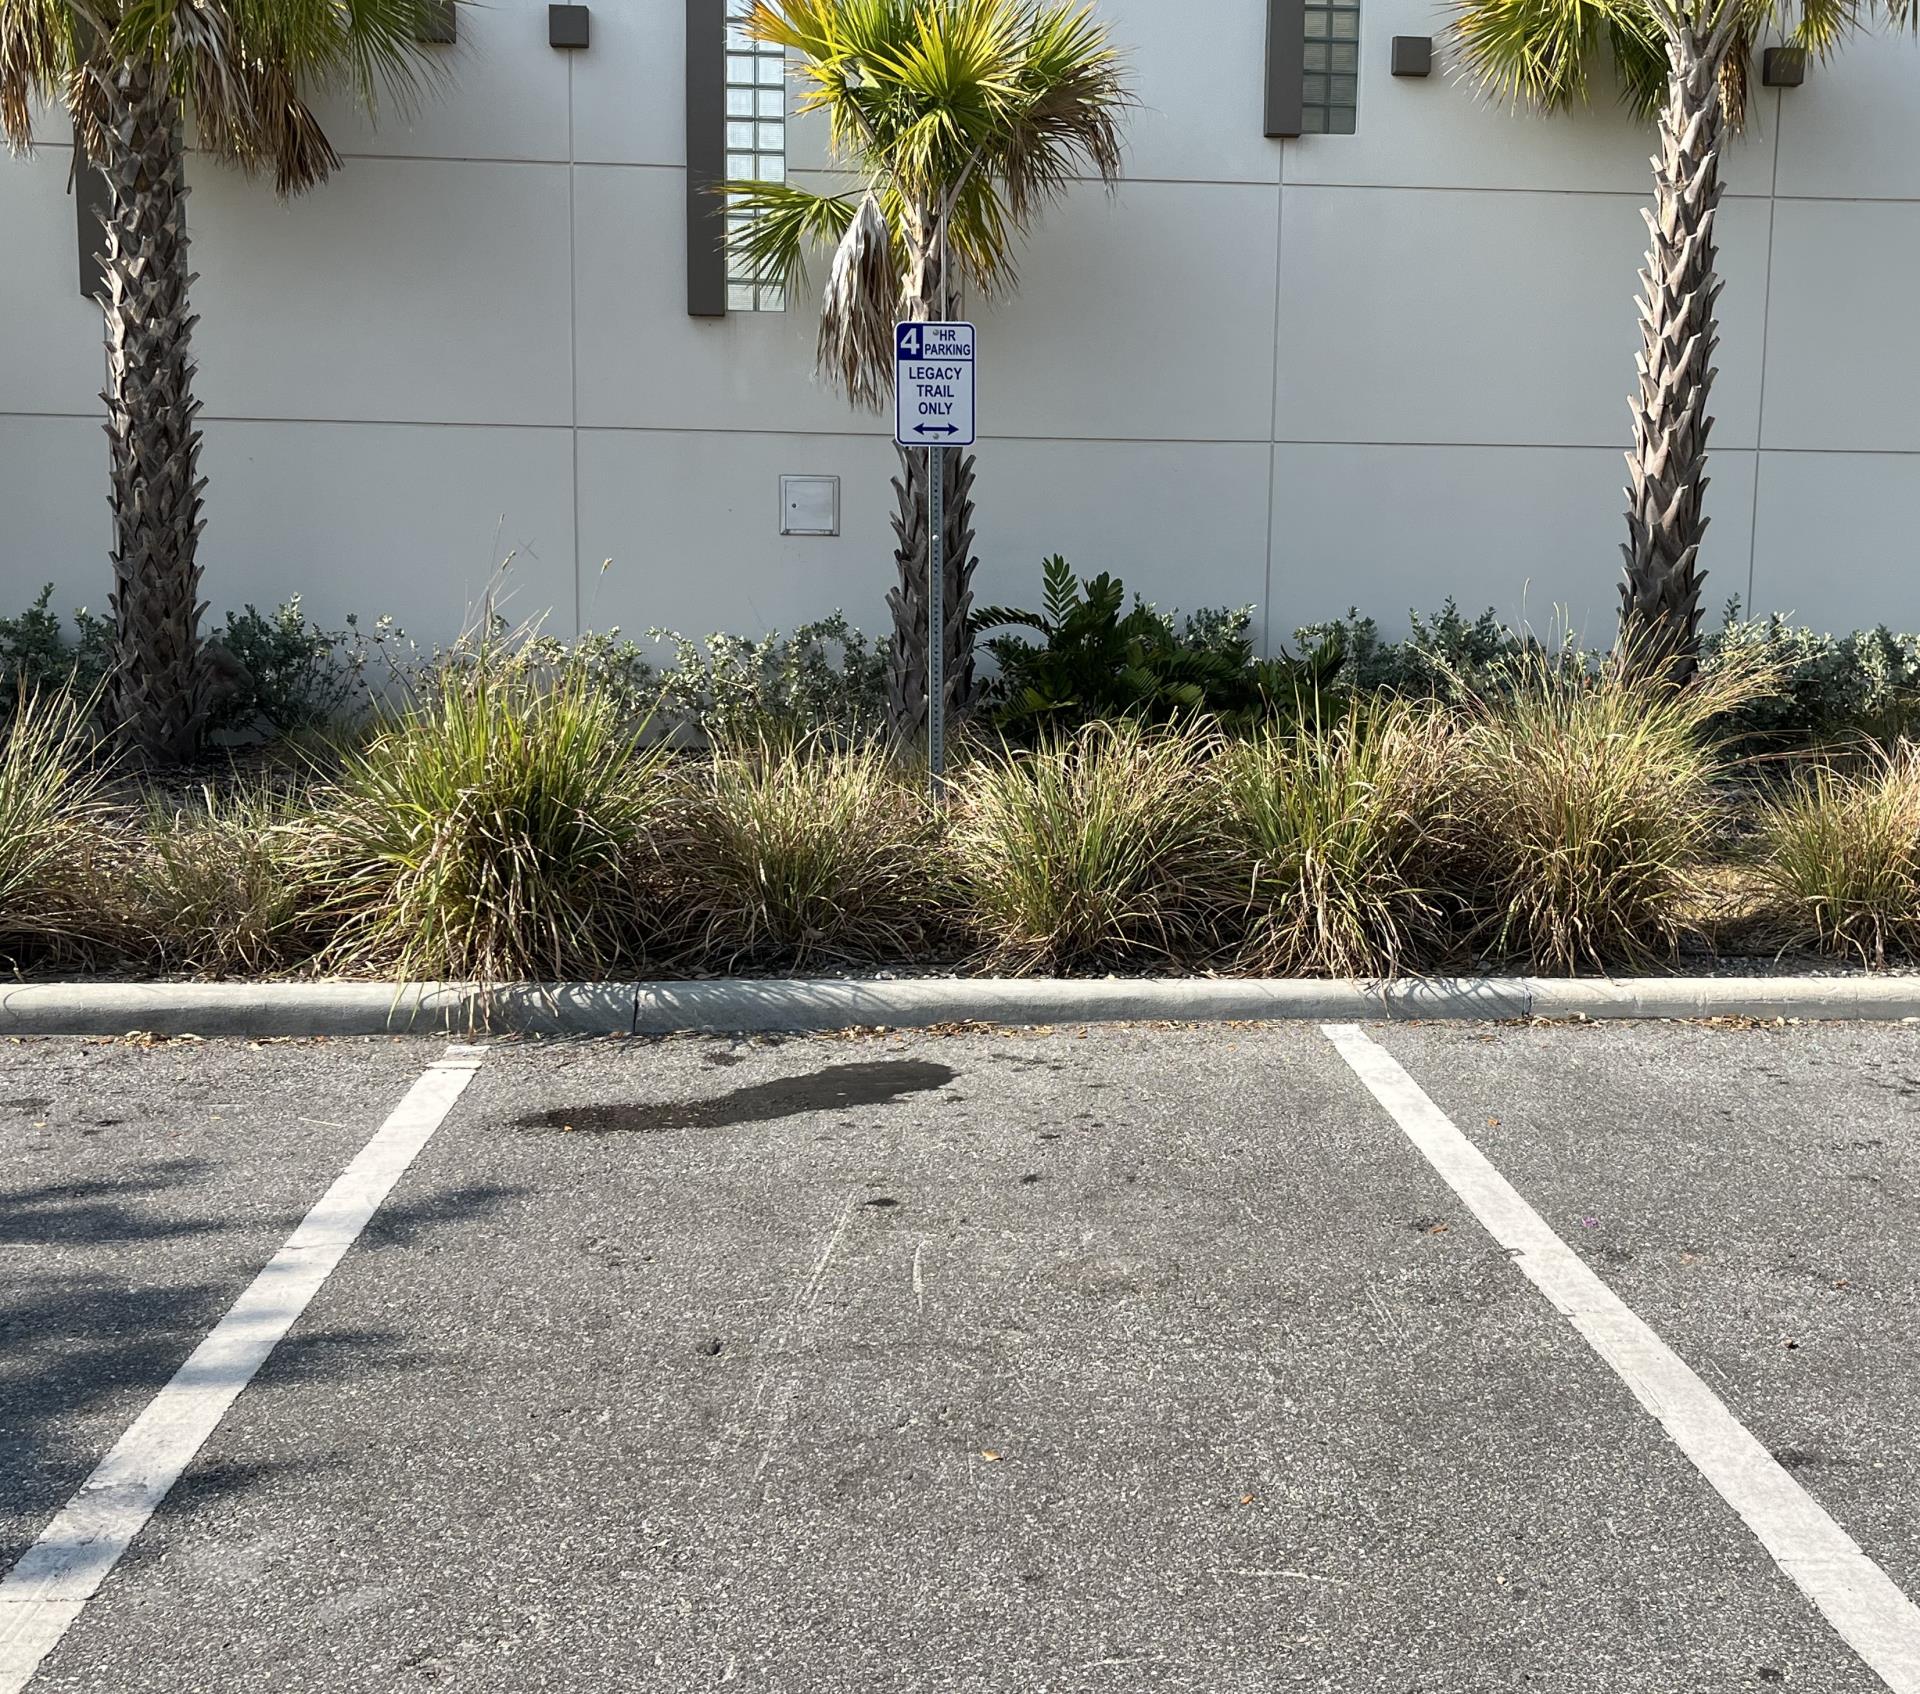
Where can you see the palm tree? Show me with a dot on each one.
(134, 74)
(962, 120)
(1686, 62)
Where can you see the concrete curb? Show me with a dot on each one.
(766, 1007)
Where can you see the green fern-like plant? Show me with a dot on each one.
(1097, 660)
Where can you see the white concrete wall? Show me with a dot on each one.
(1367, 370)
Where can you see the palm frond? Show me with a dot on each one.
(246, 70)
(1639, 54)
(1541, 53)
(975, 114)
(1736, 73)
(981, 235)
(368, 49)
(1819, 26)
(40, 52)
(782, 222)
(1073, 102)
(1535, 52)
(860, 309)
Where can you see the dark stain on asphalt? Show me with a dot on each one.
(836, 1088)
(1907, 1087)
(881, 1202)
(1803, 1458)
(27, 1103)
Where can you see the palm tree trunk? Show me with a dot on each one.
(157, 693)
(1666, 468)
(923, 299)
(907, 677)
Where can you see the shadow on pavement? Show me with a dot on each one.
(75, 1343)
(97, 1209)
(836, 1088)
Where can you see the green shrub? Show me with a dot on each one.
(1101, 847)
(274, 673)
(1829, 689)
(1444, 657)
(1348, 834)
(495, 830)
(609, 661)
(823, 679)
(1097, 661)
(36, 658)
(786, 855)
(1840, 857)
(222, 887)
(54, 833)
(292, 677)
(1591, 809)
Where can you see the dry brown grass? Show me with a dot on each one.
(1592, 813)
(58, 843)
(1840, 857)
(223, 887)
(491, 832)
(794, 856)
(1349, 832)
(1101, 848)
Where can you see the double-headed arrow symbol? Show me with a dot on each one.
(936, 429)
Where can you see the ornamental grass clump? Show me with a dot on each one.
(1840, 856)
(1591, 809)
(222, 887)
(789, 854)
(1348, 833)
(54, 834)
(499, 830)
(1100, 848)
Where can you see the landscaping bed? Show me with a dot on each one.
(519, 820)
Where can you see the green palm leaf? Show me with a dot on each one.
(961, 119)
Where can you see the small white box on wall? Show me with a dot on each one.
(809, 505)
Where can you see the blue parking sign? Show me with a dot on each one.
(933, 384)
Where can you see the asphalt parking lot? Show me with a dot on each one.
(1057, 1360)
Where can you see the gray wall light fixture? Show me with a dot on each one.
(706, 158)
(1286, 67)
(1783, 67)
(1413, 55)
(89, 210)
(567, 26)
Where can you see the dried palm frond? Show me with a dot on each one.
(859, 310)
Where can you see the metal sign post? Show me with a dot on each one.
(933, 367)
(937, 615)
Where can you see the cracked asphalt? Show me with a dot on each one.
(1015, 1361)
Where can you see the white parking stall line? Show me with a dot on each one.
(54, 1579)
(1871, 1614)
